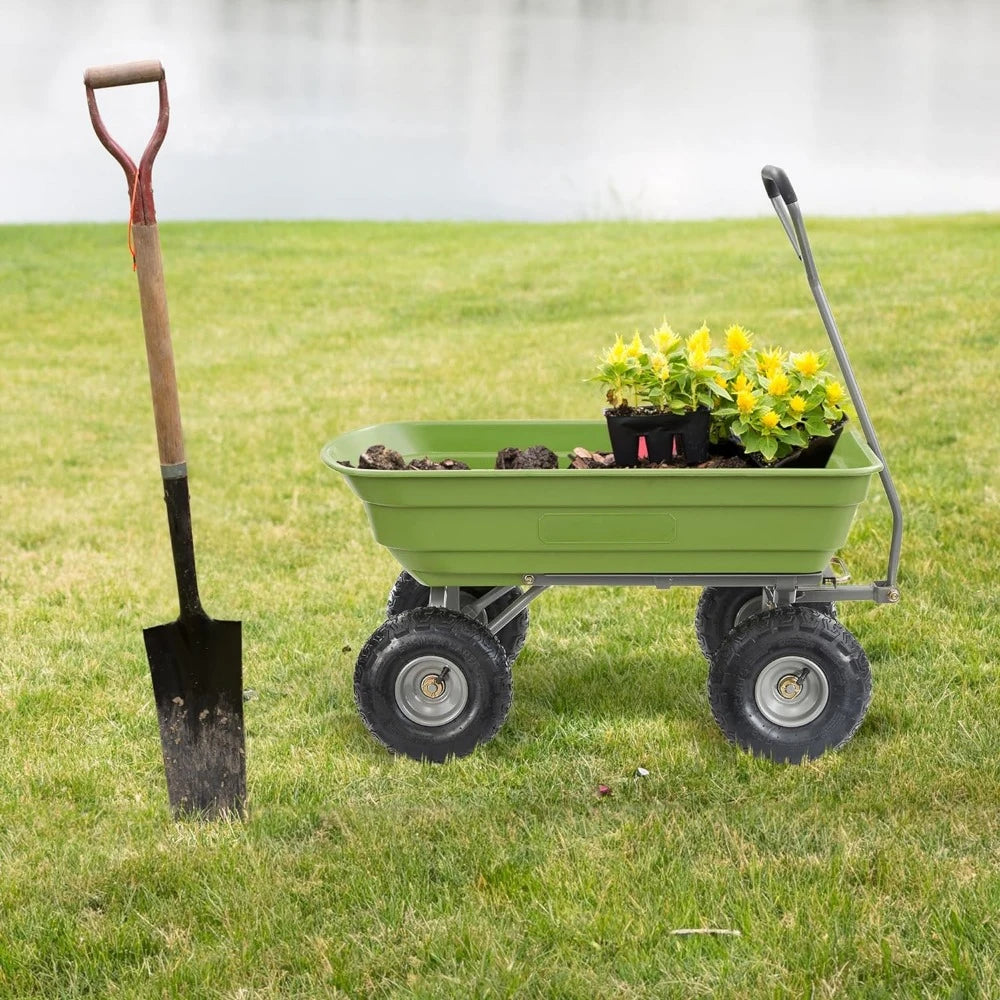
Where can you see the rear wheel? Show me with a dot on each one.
(721, 609)
(408, 594)
(432, 683)
(789, 684)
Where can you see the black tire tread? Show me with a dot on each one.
(791, 622)
(430, 620)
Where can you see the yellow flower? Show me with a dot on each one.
(745, 401)
(660, 365)
(770, 361)
(617, 352)
(700, 340)
(698, 358)
(779, 384)
(742, 383)
(737, 340)
(635, 348)
(720, 381)
(770, 420)
(834, 393)
(797, 405)
(807, 364)
(664, 339)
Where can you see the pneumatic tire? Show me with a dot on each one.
(789, 684)
(432, 684)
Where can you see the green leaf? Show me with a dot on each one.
(768, 448)
(717, 389)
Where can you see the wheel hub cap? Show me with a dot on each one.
(431, 691)
(432, 686)
(789, 687)
(791, 691)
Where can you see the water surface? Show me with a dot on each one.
(524, 109)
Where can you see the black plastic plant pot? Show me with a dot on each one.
(727, 447)
(814, 455)
(667, 436)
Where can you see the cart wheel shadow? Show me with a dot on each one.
(605, 683)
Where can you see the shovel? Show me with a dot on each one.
(195, 662)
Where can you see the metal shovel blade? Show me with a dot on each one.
(196, 667)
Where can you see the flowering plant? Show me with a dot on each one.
(774, 402)
(781, 401)
(666, 375)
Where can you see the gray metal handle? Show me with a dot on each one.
(779, 189)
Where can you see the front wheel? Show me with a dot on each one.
(432, 683)
(789, 684)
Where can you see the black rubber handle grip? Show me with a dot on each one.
(776, 182)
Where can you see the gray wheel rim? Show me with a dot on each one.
(791, 691)
(431, 691)
(752, 607)
(466, 599)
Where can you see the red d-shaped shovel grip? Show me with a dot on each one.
(139, 178)
(123, 74)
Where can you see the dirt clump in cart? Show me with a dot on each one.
(581, 458)
(536, 457)
(378, 456)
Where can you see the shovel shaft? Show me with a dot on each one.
(178, 501)
(159, 350)
(167, 413)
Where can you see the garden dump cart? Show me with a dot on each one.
(786, 679)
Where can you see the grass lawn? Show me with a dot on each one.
(872, 872)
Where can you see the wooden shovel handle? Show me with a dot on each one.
(148, 262)
(159, 350)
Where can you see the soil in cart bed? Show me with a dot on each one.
(581, 458)
(379, 457)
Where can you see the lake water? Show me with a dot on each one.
(524, 109)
